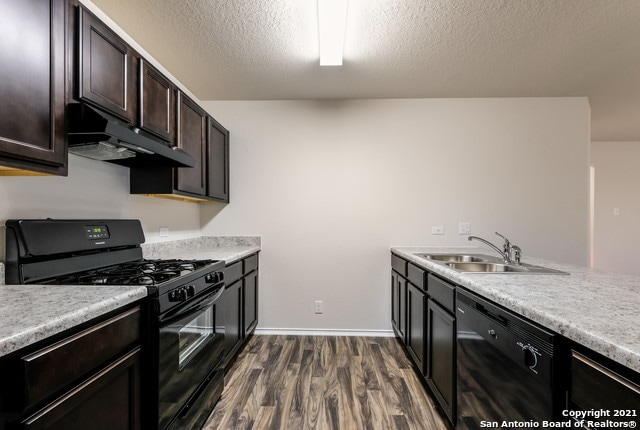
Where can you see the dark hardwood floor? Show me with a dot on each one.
(320, 382)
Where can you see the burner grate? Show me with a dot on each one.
(140, 272)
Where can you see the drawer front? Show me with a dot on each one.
(594, 386)
(233, 272)
(442, 292)
(52, 368)
(108, 400)
(417, 276)
(399, 265)
(251, 263)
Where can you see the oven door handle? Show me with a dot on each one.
(194, 305)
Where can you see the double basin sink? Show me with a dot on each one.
(480, 263)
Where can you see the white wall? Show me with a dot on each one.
(331, 185)
(93, 189)
(617, 185)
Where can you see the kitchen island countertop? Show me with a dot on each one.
(596, 309)
(31, 313)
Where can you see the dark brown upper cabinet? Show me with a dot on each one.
(217, 161)
(107, 75)
(32, 87)
(157, 103)
(208, 142)
(192, 123)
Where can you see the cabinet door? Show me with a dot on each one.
(250, 302)
(157, 103)
(233, 317)
(395, 303)
(416, 325)
(217, 161)
(109, 400)
(191, 138)
(399, 305)
(107, 74)
(31, 380)
(32, 79)
(441, 360)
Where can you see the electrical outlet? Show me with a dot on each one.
(319, 306)
(164, 231)
(437, 229)
(464, 228)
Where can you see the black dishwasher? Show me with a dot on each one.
(506, 367)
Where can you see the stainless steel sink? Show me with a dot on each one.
(481, 263)
(458, 258)
(486, 267)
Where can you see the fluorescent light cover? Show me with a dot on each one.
(332, 24)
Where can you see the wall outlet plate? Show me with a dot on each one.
(437, 229)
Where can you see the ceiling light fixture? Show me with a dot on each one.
(332, 25)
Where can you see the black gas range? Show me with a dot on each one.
(184, 339)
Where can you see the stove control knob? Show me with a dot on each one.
(191, 290)
(179, 295)
(213, 277)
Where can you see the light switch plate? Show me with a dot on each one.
(437, 229)
(464, 228)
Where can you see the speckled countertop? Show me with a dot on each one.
(596, 309)
(229, 249)
(38, 311)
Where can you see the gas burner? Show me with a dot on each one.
(139, 272)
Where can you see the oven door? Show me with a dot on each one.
(191, 349)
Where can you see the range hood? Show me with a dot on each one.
(98, 135)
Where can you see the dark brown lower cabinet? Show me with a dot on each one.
(109, 400)
(250, 302)
(416, 325)
(84, 378)
(241, 304)
(398, 305)
(441, 361)
(601, 385)
(422, 307)
(232, 302)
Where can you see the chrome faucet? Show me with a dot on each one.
(507, 249)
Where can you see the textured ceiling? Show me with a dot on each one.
(267, 49)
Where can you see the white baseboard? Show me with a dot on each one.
(323, 332)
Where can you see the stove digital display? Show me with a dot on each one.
(96, 232)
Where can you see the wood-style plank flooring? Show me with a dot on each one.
(321, 382)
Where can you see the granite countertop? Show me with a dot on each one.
(35, 312)
(594, 308)
(229, 249)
